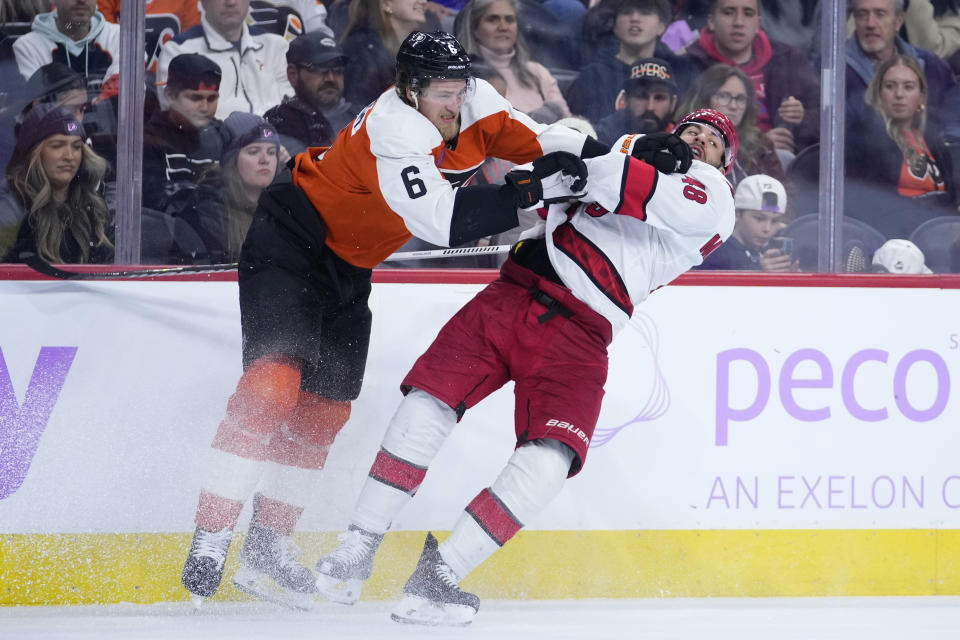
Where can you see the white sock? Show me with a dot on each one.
(378, 505)
(418, 428)
(532, 478)
(291, 485)
(232, 476)
(467, 547)
(416, 432)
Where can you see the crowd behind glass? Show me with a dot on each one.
(234, 88)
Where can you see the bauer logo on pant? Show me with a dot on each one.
(560, 424)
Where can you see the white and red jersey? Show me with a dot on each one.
(389, 172)
(639, 231)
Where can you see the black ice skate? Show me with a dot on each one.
(432, 595)
(269, 570)
(203, 569)
(341, 573)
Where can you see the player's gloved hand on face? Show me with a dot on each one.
(556, 177)
(666, 152)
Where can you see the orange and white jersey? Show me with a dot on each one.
(636, 230)
(389, 173)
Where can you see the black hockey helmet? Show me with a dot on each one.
(424, 56)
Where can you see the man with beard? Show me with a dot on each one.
(645, 104)
(315, 68)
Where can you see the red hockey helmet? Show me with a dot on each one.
(722, 125)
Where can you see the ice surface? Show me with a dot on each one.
(890, 618)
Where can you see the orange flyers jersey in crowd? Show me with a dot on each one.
(389, 173)
(186, 11)
(164, 19)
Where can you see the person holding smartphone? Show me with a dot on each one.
(761, 204)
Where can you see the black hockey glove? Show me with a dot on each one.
(666, 152)
(547, 180)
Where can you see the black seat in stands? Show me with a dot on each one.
(935, 237)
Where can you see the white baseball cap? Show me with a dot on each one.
(761, 193)
(900, 256)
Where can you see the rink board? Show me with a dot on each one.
(754, 441)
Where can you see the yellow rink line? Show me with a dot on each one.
(44, 569)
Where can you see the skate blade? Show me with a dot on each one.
(264, 587)
(197, 602)
(341, 591)
(417, 610)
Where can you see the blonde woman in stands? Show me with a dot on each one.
(52, 200)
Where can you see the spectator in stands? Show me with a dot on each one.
(257, 77)
(290, 18)
(59, 84)
(163, 19)
(315, 69)
(51, 206)
(489, 31)
(761, 207)
(935, 25)
(728, 90)
(690, 17)
(22, 10)
(371, 40)
(649, 98)
(223, 206)
(875, 39)
(796, 23)
(76, 34)
(786, 88)
(179, 143)
(896, 166)
(620, 33)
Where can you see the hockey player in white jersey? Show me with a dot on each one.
(545, 323)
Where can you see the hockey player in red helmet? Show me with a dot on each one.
(720, 125)
(655, 206)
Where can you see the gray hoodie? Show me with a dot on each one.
(96, 56)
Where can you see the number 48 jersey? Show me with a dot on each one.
(636, 229)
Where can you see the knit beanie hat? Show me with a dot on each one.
(43, 121)
(240, 129)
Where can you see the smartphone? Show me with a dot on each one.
(785, 245)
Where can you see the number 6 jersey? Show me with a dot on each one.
(389, 172)
(638, 231)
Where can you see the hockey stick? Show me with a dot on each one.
(428, 254)
(40, 265)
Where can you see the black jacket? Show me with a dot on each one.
(26, 244)
(732, 255)
(300, 126)
(173, 157)
(370, 66)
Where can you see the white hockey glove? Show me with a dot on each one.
(555, 177)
